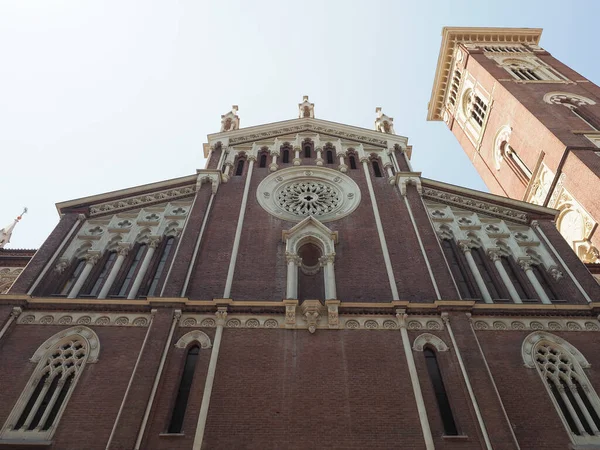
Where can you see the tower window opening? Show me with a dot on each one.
(377, 169)
(454, 89)
(440, 392)
(329, 157)
(286, 156)
(240, 168)
(479, 110)
(352, 162)
(263, 160)
(307, 151)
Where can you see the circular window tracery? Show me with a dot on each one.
(296, 193)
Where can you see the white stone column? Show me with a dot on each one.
(91, 260)
(122, 254)
(226, 176)
(210, 378)
(329, 276)
(152, 244)
(495, 257)
(475, 270)
(319, 159)
(342, 167)
(273, 166)
(16, 311)
(526, 265)
(297, 159)
(292, 276)
(414, 379)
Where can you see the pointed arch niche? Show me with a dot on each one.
(310, 249)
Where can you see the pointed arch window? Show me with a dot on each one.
(377, 169)
(239, 170)
(183, 392)
(132, 270)
(60, 360)
(435, 375)
(560, 366)
(161, 265)
(77, 268)
(329, 155)
(286, 156)
(487, 273)
(459, 268)
(263, 160)
(352, 160)
(307, 151)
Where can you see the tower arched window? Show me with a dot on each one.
(239, 170)
(61, 360)
(76, 270)
(352, 160)
(263, 160)
(530, 69)
(578, 104)
(168, 246)
(453, 95)
(561, 368)
(516, 164)
(286, 156)
(329, 155)
(307, 151)
(377, 169)
(183, 393)
(132, 269)
(435, 375)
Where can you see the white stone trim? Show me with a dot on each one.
(84, 318)
(518, 323)
(194, 336)
(427, 338)
(538, 337)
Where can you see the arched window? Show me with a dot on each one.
(515, 163)
(478, 110)
(441, 397)
(352, 162)
(518, 278)
(61, 359)
(137, 258)
(76, 270)
(376, 169)
(183, 392)
(459, 268)
(263, 160)
(487, 273)
(452, 97)
(106, 267)
(286, 156)
(329, 155)
(161, 266)
(561, 368)
(239, 168)
(529, 69)
(578, 104)
(546, 282)
(307, 150)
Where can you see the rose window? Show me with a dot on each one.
(306, 198)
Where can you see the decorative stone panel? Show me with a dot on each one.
(535, 323)
(84, 318)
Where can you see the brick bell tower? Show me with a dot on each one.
(529, 123)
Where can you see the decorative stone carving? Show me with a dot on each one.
(142, 200)
(426, 338)
(197, 336)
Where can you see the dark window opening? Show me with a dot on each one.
(545, 281)
(376, 169)
(286, 156)
(329, 157)
(587, 403)
(517, 277)
(77, 269)
(440, 393)
(263, 160)
(563, 408)
(59, 402)
(45, 401)
(183, 393)
(240, 168)
(575, 405)
(307, 150)
(31, 402)
(161, 266)
(462, 275)
(106, 268)
(352, 162)
(486, 273)
(131, 271)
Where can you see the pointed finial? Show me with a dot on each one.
(6, 232)
(231, 120)
(306, 109)
(384, 123)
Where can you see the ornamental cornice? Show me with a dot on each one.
(84, 318)
(537, 323)
(472, 204)
(142, 200)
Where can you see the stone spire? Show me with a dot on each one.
(6, 232)
(306, 109)
(384, 123)
(230, 121)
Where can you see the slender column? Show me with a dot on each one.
(161, 365)
(152, 244)
(486, 438)
(292, 276)
(50, 405)
(388, 167)
(526, 265)
(273, 166)
(414, 379)
(16, 311)
(475, 270)
(37, 403)
(536, 226)
(431, 276)
(133, 374)
(329, 275)
(228, 166)
(122, 254)
(342, 167)
(382, 241)
(567, 402)
(91, 260)
(297, 159)
(319, 157)
(210, 378)
(584, 409)
(80, 219)
(392, 157)
(495, 257)
(238, 230)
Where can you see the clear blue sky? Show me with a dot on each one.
(103, 95)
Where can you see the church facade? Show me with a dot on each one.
(306, 289)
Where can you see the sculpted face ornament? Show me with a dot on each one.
(295, 193)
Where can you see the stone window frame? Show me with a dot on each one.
(578, 362)
(92, 347)
(522, 68)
